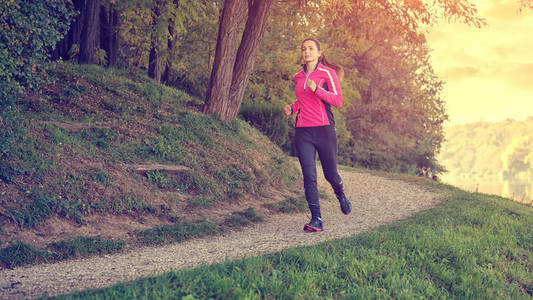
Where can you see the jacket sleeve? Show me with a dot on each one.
(295, 107)
(334, 95)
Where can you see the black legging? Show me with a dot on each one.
(308, 141)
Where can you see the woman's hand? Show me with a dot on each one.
(311, 84)
(287, 110)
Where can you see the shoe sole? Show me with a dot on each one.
(308, 228)
(347, 213)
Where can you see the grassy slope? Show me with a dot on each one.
(70, 168)
(472, 246)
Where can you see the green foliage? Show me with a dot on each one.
(243, 218)
(187, 182)
(195, 183)
(235, 181)
(289, 205)
(201, 201)
(30, 29)
(70, 153)
(20, 253)
(471, 247)
(99, 137)
(161, 179)
(193, 128)
(126, 203)
(269, 119)
(19, 152)
(395, 118)
(100, 176)
(176, 232)
(83, 246)
(41, 208)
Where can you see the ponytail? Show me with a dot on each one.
(322, 59)
(338, 69)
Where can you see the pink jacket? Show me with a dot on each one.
(313, 108)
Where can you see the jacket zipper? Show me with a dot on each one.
(307, 78)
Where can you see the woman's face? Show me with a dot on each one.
(310, 51)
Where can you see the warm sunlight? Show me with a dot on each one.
(488, 71)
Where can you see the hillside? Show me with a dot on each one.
(106, 154)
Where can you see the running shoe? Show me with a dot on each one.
(315, 225)
(346, 206)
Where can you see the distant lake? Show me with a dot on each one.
(517, 190)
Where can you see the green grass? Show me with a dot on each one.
(40, 208)
(201, 201)
(177, 232)
(469, 247)
(181, 231)
(243, 218)
(67, 153)
(289, 205)
(19, 253)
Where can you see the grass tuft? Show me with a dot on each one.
(290, 205)
(82, 246)
(243, 218)
(40, 209)
(20, 253)
(176, 232)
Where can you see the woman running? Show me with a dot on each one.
(317, 88)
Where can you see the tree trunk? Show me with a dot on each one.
(73, 36)
(89, 33)
(171, 44)
(105, 30)
(217, 96)
(251, 39)
(154, 63)
(115, 41)
(109, 22)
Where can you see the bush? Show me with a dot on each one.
(19, 254)
(269, 119)
(30, 29)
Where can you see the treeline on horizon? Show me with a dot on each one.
(392, 114)
(490, 149)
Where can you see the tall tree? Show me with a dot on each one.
(396, 123)
(218, 100)
(251, 39)
(109, 37)
(73, 36)
(154, 60)
(226, 104)
(89, 42)
(171, 44)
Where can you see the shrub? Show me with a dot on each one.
(83, 246)
(30, 29)
(20, 253)
(269, 119)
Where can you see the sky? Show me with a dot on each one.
(488, 71)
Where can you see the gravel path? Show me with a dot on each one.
(375, 200)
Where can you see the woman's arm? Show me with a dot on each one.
(334, 95)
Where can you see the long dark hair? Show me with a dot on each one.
(322, 59)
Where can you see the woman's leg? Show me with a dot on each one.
(306, 151)
(327, 152)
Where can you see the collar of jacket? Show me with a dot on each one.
(304, 67)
